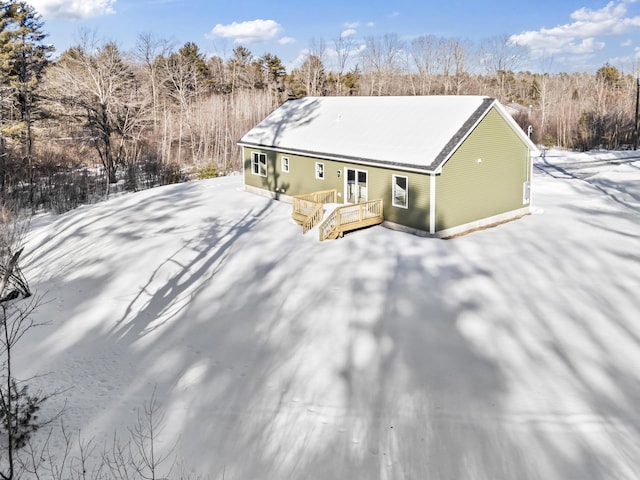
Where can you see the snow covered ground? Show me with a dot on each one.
(509, 353)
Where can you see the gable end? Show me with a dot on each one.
(461, 133)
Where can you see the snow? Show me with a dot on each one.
(403, 130)
(511, 352)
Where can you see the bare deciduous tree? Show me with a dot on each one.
(426, 60)
(380, 60)
(19, 408)
(343, 47)
(500, 56)
(96, 81)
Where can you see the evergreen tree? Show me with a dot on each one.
(238, 67)
(190, 53)
(23, 60)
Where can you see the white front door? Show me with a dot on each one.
(355, 186)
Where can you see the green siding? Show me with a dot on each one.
(468, 190)
(301, 179)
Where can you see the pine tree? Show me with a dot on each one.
(23, 60)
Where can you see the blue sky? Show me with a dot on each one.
(560, 35)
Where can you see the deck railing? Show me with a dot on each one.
(351, 217)
(329, 226)
(323, 196)
(307, 209)
(314, 218)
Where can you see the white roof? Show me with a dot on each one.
(411, 131)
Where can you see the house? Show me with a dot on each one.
(441, 165)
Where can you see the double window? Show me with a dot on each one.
(400, 191)
(259, 164)
(285, 164)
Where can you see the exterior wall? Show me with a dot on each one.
(468, 189)
(301, 179)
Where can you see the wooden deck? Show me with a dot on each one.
(308, 211)
(351, 217)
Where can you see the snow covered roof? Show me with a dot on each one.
(418, 132)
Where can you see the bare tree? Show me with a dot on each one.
(19, 408)
(460, 53)
(312, 76)
(500, 56)
(96, 81)
(313, 68)
(380, 61)
(148, 50)
(343, 46)
(181, 83)
(426, 60)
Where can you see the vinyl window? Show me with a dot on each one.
(285, 164)
(320, 170)
(400, 191)
(259, 164)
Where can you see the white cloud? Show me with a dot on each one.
(626, 43)
(73, 9)
(580, 36)
(299, 60)
(247, 32)
(286, 40)
(349, 32)
(371, 24)
(394, 14)
(351, 25)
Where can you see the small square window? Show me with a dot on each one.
(259, 164)
(285, 164)
(320, 171)
(400, 191)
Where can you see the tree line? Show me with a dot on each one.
(98, 117)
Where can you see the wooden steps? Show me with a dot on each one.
(351, 217)
(308, 211)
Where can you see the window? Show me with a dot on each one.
(285, 164)
(259, 164)
(400, 191)
(320, 170)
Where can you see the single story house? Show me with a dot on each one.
(441, 164)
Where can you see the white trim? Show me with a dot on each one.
(381, 164)
(503, 217)
(258, 163)
(244, 171)
(432, 203)
(533, 150)
(526, 192)
(530, 175)
(335, 158)
(393, 191)
(282, 160)
(345, 183)
(317, 171)
(507, 118)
